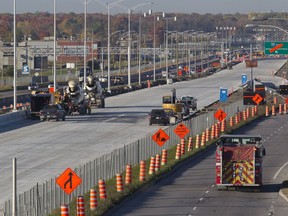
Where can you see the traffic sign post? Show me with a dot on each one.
(181, 130)
(68, 181)
(160, 137)
(276, 48)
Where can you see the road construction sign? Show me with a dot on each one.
(181, 130)
(68, 181)
(220, 115)
(276, 48)
(160, 137)
(257, 99)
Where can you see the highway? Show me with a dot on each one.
(190, 190)
(44, 150)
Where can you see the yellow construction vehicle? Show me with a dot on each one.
(170, 102)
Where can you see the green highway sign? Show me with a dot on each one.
(276, 48)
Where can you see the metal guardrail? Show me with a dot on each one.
(43, 198)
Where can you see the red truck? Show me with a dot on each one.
(239, 161)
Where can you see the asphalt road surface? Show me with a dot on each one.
(191, 190)
(43, 150)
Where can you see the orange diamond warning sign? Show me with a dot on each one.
(181, 130)
(220, 115)
(160, 137)
(68, 181)
(257, 99)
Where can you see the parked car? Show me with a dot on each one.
(33, 86)
(103, 79)
(158, 116)
(118, 81)
(52, 111)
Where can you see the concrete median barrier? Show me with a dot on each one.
(12, 117)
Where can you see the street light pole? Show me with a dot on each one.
(108, 6)
(130, 10)
(14, 59)
(54, 48)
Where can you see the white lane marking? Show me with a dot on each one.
(201, 199)
(277, 173)
(207, 191)
(194, 208)
(112, 119)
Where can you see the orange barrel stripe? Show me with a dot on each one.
(142, 173)
(164, 157)
(80, 206)
(93, 199)
(182, 146)
(102, 189)
(190, 144)
(64, 210)
(178, 152)
(157, 162)
(128, 176)
(119, 183)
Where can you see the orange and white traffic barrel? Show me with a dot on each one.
(102, 189)
(197, 141)
(247, 113)
(244, 115)
(285, 108)
(252, 111)
(178, 152)
(190, 144)
(152, 166)
(142, 173)
(148, 83)
(267, 111)
(280, 109)
(93, 199)
(182, 146)
(11, 106)
(164, 157)
(157, 162)
(236, 119)
(231, 121)
(216, 130)
(80, 206)
(64, 210)
(275, 100)
(4, 108)
(128, 176)
(212, 132)
(119, 183)
(203, 138)
(223, 126)
(273, 110)
(207, 135)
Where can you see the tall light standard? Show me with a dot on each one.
(14, 59)
(130, 10)
(166, 46)
(54, 47)
(108, 6)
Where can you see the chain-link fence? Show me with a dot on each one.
(43, 198)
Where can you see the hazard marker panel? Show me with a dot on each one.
(68, 181)
(181, 130)
(220, 115)
(160, 137)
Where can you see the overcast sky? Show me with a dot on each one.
(178, 6)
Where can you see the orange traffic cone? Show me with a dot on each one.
(128, 176)
(64, 210)
(157, 162)
(142, 174)
(182, 146)
(80, 206)
(102, 189)
(93, 199)
(190, 144)
(119, 183)
(164, 157)
(178, 152)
